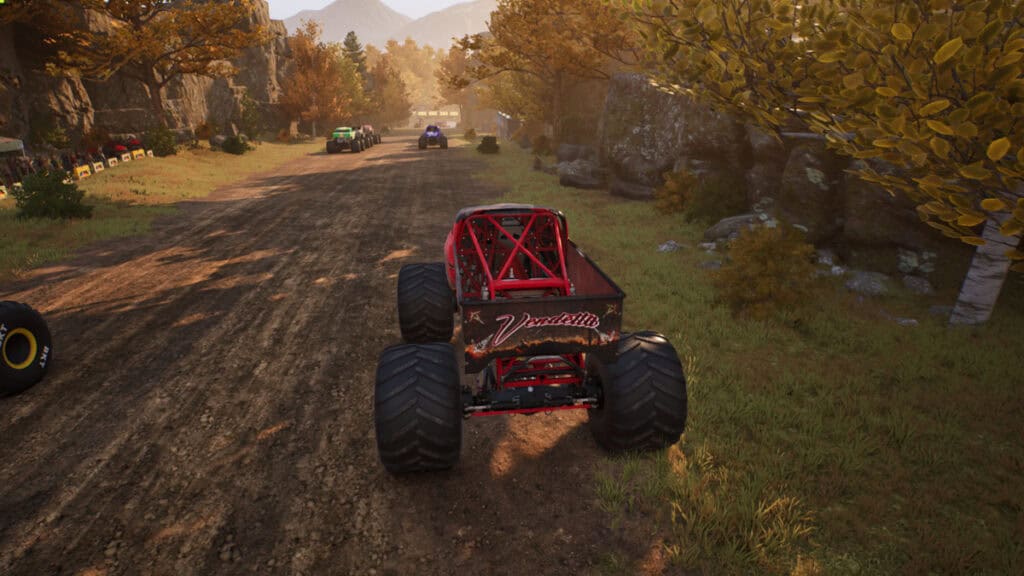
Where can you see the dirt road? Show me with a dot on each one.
(209, 410)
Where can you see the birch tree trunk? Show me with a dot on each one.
(985, 278)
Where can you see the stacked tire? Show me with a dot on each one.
(26, 349)
(418, 394)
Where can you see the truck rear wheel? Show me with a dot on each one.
(426, 304)
(643, 395)
(444, 143)
(423, 143)
(26, 349)
(418, 408)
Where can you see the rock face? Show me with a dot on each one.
(646, 131)
(120, 104)
(809, 193)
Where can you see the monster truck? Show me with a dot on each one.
(26, 349)
(540, 325)
(370, 134)
(345, 138)
(432, 136)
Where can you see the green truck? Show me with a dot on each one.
(346, 138)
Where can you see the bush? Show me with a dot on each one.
(46, 195)
(236, 145)
(206, 130)
(162, 141)
(542, 145)
(284, 135)
(470, 135)
(250, 122)
(706, 199)
(44, 131)
(767, 269)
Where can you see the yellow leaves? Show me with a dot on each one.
(975, 171)
(970, 220)
(854, 80)
(998, 149)
(886, 91)
(885, 143)
(966, 130)
(933, 107)
(973, 240)
(993, 204)
(830, 57)
(1015, 253)
(1018, 267)
(940, 128)
(1008, 59)
(901, 31)
(940, 147)
(948, 50)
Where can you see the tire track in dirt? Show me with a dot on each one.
(210, 409)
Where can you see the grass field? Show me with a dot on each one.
(127, 198)
(827, 440)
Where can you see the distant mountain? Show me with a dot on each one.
(438, 28)
(375, 23)
(371, 20)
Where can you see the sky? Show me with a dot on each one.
(280, 9)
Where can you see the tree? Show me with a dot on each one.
(547, 46)
(155, 41)
(323, 84)
(417, 65)
(927, 94)
(389, 98)
(453, 85)
(354, 52)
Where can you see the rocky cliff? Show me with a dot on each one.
(30, 98)
(646, 132)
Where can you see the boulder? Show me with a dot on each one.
(630, 190)
(730, 227)
(868, 283)
(809, 193)
(918, 285)
(218, 140)
(580, 174)
(646, 130)
(873, 217)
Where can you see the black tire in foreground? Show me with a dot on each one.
(643, 404)
(426, 304)
(417, 408)
(26, 349)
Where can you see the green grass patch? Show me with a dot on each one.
(128, 197)
(824, 440)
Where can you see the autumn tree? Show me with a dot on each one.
(416, 65)
(547, 46)
(323, 84)
(389, 97)
(154, 41)
(927, 94)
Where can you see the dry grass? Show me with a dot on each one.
(825, 440)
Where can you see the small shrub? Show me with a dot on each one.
(162, 141)
(206, 130)
(675, 194)
(470, 135)
(236, 145)
(768, 269)
(542, 145)
(44, 130)
(706, 199)
(250, 121)
(284, 135)
(46, 195)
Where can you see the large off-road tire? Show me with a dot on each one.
(643, 395)
(426, 304)
(444, 143)
(26, 349)
(423, 143)
(417, 409)
(356, 147)
(379, 139)
(332, 148)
